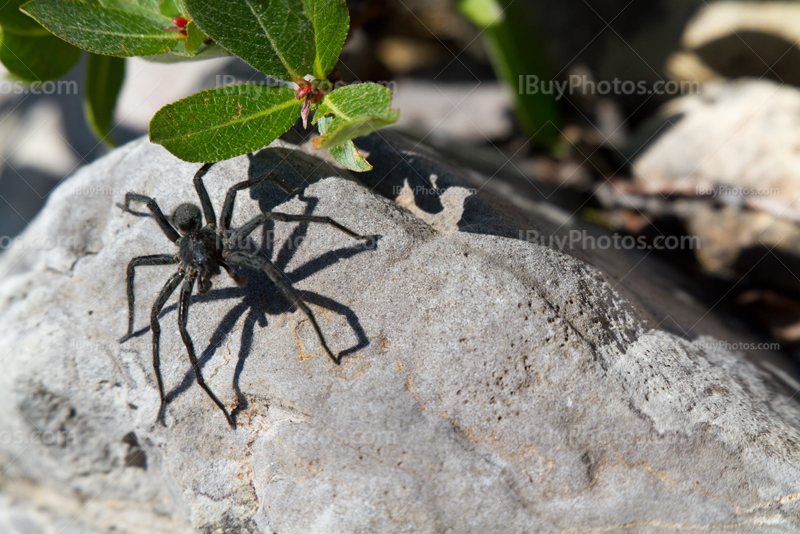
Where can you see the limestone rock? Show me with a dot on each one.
(489, 383)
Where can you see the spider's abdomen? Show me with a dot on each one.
(199, 251)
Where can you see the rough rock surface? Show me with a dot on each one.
(489, 384)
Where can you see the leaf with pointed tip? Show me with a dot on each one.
(225, 122)
(104, 77)
(285, 39)
(127, 29)
(357, 110)
(12, 17)
(517, 50)
(331, 21)
(347, 154)
(194, 37)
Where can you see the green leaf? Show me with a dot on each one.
(179, 54)
(14, 19)
(195, 37)
(331, 22)
(37, 58)
(123, 30)
(285, 39)
(517, 53)
(30, 52)
(104, 77)
(152, 6)
(225, 122)
(357, 110)
(181, 5)
(483, 13)
(347, 154)
(272, 36)
(169, 8)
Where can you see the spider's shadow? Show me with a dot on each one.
(261, 297)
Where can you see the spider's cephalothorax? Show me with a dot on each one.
(202, 251)
(199, 249)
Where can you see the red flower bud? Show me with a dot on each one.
(302, 91)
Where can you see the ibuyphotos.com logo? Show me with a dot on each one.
(583, 85)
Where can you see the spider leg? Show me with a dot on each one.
(205, 201)
(183, 318)
(240, 280)
(250, 226)
(295, 298)
(169, 288)
(159, 216)
(227, 208)
(159, 259)
(241, 233)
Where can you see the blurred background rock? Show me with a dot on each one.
(718, 158)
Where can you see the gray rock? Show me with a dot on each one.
(489, 384)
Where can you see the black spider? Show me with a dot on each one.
(202, 250)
